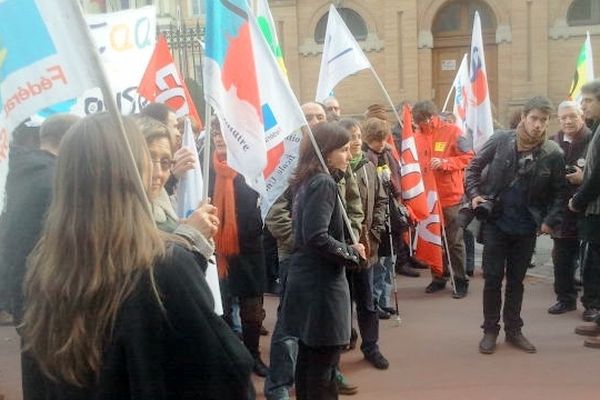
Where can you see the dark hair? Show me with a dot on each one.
(349, 123)
(157, 111)
(54, 128)
(423, 110)
(375, 129)
(27, 136)
(593, 88)
(541, 103)
(329, 136)
(515, 118)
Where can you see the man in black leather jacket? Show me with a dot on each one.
(525, 184)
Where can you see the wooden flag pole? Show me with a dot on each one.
(108, 97)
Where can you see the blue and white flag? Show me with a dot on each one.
(41, 63)
(342, 56)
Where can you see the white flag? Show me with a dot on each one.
(480, 124)
(42, 63)
(461, 86)
(342, 56)
(189, 190)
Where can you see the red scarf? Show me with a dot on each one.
(226, 239)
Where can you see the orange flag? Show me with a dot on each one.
(162, 83)
(411, 181)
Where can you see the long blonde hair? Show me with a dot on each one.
(98, 241)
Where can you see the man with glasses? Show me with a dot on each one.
(522, 195)
(573, 138)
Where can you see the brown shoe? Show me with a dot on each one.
(592, 342)
(588, 330)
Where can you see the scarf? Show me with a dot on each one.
(226, 239)
(163, 213)
(527, 141)
(354, 161)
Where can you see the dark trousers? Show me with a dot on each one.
(361, 285)
(503, 252)
(591, 276)
(564, 257)
(315, 372)
(251, 314)
(469, 240)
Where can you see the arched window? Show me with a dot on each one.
(456, 18)
(353, 20)
(584, 12)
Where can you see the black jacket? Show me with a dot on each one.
(316, 304)
(183, 352)
(28, 196)
(545, 180)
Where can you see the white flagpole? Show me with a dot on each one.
(453, 85)
(108, 96)
(206, 159)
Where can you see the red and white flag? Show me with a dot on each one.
(429, 231)
(480, 124)
(461, 87)
(162, 83)
(411, 181)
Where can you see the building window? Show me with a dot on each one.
(353, 20)
(456, 18)
(197, 8)
(584, 12)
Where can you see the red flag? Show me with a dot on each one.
(411, 181)
(162, 83)
(429, 231)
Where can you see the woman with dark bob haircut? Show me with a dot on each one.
(316, 304)
(115, 309)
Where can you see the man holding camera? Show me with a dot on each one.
(523, 189)
(573, 138)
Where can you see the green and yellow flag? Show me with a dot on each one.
(584, 71)
(267, 27)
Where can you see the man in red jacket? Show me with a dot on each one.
(443, 149)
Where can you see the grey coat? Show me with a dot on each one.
(316, 305)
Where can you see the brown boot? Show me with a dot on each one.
(592, 342)
(588, 330)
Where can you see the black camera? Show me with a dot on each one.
(484, 210)
(570, 169)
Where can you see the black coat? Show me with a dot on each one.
(247, 271)
(316, 304)
(28, 196)
(187, 352)
(545, 181)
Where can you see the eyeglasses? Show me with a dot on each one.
(164, 163)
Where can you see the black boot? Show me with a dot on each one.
(520, 342)
(251, 335)
(487, 345)
(461, 289)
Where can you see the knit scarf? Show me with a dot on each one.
(226, 239)
(527, 141)
(355, 160)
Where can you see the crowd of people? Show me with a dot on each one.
(106, 283)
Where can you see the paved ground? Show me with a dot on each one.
(433, 354)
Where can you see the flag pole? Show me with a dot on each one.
(206, 154)
(108, 98)
(453, 84)
(387, 95)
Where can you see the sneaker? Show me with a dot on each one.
(561, 308)
(435, 286)
(520, 342)
(344, 387)
(389, 310)
(590, 314)
(377, 360)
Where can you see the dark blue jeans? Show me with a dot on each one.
(510, 255)
(469, 240)
(284, 350)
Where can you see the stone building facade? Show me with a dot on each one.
(416, 46)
